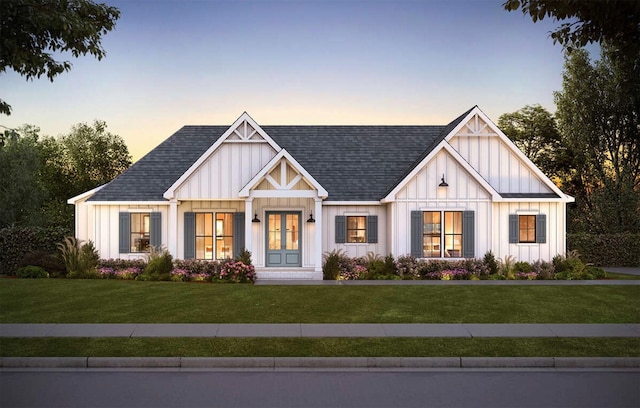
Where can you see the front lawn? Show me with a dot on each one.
(114, 301)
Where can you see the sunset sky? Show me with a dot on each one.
(173, 63)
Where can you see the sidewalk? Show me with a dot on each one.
(469, 330)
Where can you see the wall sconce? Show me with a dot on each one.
(255, 218)
(443, 183)
(311, 218)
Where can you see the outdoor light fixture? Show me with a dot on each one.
(444, 183)
(311, 218)
(255, 218)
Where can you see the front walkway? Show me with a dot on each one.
(469, 330)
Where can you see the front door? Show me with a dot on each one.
(283, 239)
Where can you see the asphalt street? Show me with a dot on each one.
(320, 388)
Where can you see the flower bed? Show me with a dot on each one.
(341, 267)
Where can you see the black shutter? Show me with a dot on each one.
(189, 235)
(124, 233)
(514, 226)
(417, 229)
(541, 229)
(372, 229)
(238, 233)
(155, 230)
(341, 229)
(468, 234)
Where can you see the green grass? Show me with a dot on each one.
(320, 347)
(111, 301)
(622, 276)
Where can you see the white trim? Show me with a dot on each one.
(194, 167)
(147, 203)
(378, 203)
(247, 191)
(85, 195)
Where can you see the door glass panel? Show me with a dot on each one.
(275, 234)
(292, 231)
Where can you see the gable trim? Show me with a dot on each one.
(443, 145)
(264, 174)
(170, 193)
(512, 147)
(84, 196)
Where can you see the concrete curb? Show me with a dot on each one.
(319, 362)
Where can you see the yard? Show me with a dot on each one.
(112, 301)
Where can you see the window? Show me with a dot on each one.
(140, 229)
(527, 228)
(205, 236)
(435, 232)
(356, 229)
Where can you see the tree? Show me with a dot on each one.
(615, 22)
(599, 118)
(92, 157)
(533, 129)
(31, 30)
(21, 191)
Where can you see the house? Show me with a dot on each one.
(288, 194)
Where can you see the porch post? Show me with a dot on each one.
(248, 216)
(172, 228)
(318, 246)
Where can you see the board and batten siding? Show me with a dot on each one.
(329, 213)
(555, 226)
(498, 164)
(422, 193)
(226, 172)
(106, 228)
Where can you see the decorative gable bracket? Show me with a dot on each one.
(282, 174)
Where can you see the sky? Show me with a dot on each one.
(172, 63)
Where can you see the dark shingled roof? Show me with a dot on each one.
(353, 163)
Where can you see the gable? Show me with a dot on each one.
(424, 183)
(228, 164)
(283, 176)
(497, 159)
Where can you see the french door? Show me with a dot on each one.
(283, 239)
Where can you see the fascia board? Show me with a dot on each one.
(142, 203)
(169, 194)
(84, 196)
(472, 171)
(345, 203)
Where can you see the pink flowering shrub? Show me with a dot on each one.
(238, 272)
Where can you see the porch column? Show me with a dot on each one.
(318, 246)
(248, 216)
(172, 228)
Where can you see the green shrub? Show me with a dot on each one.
(244, 256)
(522, 267)
(331, 267)
(507, 267)
(31, 272)
(80, 259)
(544, 269)
(491, 263)
(607, 249)
(159, 265)
(50, 262)
(16, 242)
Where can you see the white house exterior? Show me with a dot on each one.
(289, 194)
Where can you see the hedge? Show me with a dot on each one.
(606, 249)
(17, 242)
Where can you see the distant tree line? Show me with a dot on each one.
(38, 174)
